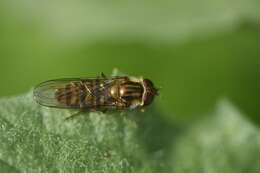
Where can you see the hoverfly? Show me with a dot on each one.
(97, 94)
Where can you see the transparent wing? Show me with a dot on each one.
(46, 93)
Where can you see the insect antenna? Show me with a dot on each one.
(158, 93)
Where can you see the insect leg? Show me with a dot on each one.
(73, 115)
(103, 111)
(121, 78)
(142, 109)
(102, 75)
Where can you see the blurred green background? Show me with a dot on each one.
(197, 51)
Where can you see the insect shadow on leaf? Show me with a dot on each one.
(155, 133)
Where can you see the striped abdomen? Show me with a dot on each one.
(85, 94)
(73, 95)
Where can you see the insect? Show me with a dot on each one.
(96, 94)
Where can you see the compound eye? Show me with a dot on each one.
(148, 98)
(150, 92)
(148, 83)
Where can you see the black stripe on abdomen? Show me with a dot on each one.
(95, 93)
(68, 94)
(81, 95)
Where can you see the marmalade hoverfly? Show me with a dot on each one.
(100, 94)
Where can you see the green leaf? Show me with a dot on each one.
(225, 142)
(37, 139)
